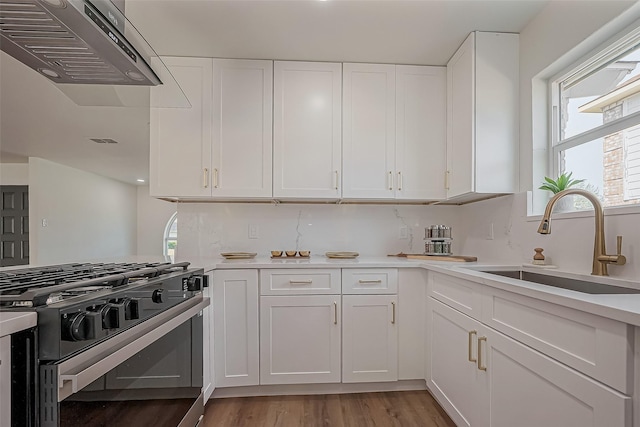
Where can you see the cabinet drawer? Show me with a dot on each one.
(370, 281)
(463, 295)
(300, 282)
(594, 345)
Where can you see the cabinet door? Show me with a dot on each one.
(300, 339)
(368, 133)
(180, 148)
(412, 290)
(242, 128)
(235, 328)
(461, 119)
(307, 129)
(452, 374)
(528, 389)
(420, 132)
(496, 130)
(370, 338)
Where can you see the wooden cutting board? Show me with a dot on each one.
(450, 258)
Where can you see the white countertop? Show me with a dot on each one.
(16, 321)
(621, 307)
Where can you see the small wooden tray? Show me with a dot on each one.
(450, 258)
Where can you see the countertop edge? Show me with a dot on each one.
(622, 307)
(16, 321)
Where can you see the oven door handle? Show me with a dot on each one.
(79, 371)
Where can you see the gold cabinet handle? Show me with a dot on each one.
(337, 179)
(393, 312)
(481, 365)
(335, 313)
(390, 180)
(446, 180)
(399, 181)
(369, 281)
(205, 178)
(215, 178)
(471, 335)
(300, 282)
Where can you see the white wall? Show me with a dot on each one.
(14, 173)
(153, 215)
(88, 216)
(546, 47)
(205, 230)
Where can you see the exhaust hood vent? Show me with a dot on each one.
(74, 41)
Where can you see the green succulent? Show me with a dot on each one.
(563, 182)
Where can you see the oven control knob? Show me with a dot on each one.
(79, 327)
(131, 308)
(158, 296)
(195, 283)
(110, 316)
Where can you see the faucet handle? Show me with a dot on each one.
(620, 259)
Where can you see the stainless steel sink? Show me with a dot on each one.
(563, 282)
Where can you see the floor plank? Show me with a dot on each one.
(401, 409)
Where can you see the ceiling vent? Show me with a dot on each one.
(104, 140)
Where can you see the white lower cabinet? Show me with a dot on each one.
(369, 338)
(235, 328)
(300, 339)
(483, 378)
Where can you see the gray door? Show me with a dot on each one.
(14, 225)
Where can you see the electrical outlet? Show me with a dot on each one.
(253, 231)
(490, 232)
(403, 232)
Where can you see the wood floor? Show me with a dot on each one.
(404, 408)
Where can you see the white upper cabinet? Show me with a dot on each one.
(394, 136)
(180, 149)
(421, 107)
(221, 146)
(369, 120)
(307, 130)
(242, 123)
(482, 116)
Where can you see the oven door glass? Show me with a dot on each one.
(153, 378)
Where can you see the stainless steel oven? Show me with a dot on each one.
(123, 348)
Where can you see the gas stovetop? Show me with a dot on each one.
(82, 304)
(39, 286)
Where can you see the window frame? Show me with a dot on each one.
(167, 238)
(596, 60)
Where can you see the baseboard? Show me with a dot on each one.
(302, 389)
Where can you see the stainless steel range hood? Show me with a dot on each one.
(89, 49)
(75, 41)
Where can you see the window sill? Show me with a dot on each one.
(611, 211)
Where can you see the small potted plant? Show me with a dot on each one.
(563, 182)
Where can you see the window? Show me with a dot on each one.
(171, 237)
(596, 124)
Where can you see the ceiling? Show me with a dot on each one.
(37, 119)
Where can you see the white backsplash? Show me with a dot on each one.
(206, 229)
